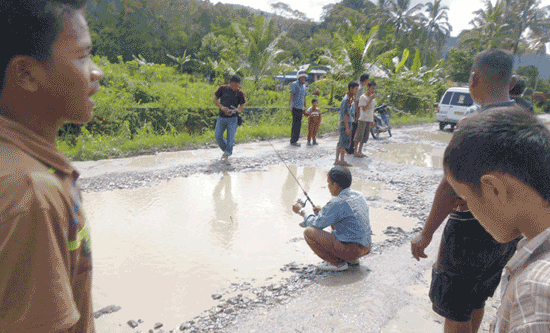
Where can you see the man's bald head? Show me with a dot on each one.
(495, 66)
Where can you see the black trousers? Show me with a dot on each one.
(350, 149)
(296, 125)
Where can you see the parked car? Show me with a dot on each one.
(453, 106)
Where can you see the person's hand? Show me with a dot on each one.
(348, 130)
(297, 207)
(419, 244)
(224, 109)
(316, 210)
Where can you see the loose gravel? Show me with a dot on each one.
(407, 181)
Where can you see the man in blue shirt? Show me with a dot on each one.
(348, 215)
(298, 95)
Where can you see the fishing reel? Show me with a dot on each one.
(302, 202)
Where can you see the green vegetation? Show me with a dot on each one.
(163, 60)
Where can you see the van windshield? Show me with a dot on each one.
(462, 99)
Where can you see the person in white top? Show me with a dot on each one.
(367, 103)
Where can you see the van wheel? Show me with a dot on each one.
(442, 125)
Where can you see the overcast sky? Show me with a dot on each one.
(460, 11)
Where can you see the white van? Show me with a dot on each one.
(453, 105)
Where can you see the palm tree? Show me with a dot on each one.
(527, 16)
(490, 29)
(438, 27)
(403, 15)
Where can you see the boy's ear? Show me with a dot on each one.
(494, 187)
(24, 72)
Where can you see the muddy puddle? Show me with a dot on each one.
(412, 153)
(440, 136)
(148, 161)
(161, 252)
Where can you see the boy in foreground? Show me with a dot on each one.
(348, 216)
(47, 79)
(498, 161)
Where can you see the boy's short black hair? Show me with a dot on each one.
(371, 83)
(235, 78)
(496, 65)
(314, 100)
(352, 85)
(364, 77)
(519, 88)
(506, 139)
(30, 27)
(341, 176)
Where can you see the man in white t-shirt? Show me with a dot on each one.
(367, 103)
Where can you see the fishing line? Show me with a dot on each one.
(296, 179)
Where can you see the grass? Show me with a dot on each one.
(93, 146)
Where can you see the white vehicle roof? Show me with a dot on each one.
(459, 89)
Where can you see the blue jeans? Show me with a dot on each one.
(223, 124)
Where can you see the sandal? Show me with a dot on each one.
(359, 155)
(346, 164)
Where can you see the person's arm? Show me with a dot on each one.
(329, 215)
(344, 109)
(444, 203)
(219, 105)
(31, 254)
(291, 95)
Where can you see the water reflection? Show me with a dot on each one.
(289, 192)
(225, 222)
(160, 252)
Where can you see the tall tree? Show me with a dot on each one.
(527, 20)
(404, 16)
(438, 27)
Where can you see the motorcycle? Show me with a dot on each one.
(381, 122)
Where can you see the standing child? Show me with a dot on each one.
(497, 160)
(314, 122)
(366, 105)
(347, 117)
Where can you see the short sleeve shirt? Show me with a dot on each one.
(368, 114)
(299, 93)
(229, 98)
(345, 108)
(45, 254)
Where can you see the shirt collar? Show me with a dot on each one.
(526, 248)
(344, 191)
(34, 145)
(498, 104)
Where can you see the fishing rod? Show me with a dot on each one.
(303, 203)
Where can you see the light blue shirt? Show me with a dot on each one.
(349, 213)
(345, 108)
(299, 93)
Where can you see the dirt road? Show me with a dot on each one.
(386, 293)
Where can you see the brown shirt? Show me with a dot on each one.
(45, 257)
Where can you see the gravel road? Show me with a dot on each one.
(386, 293)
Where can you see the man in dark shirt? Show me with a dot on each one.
(230, 99)
(516, 94)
